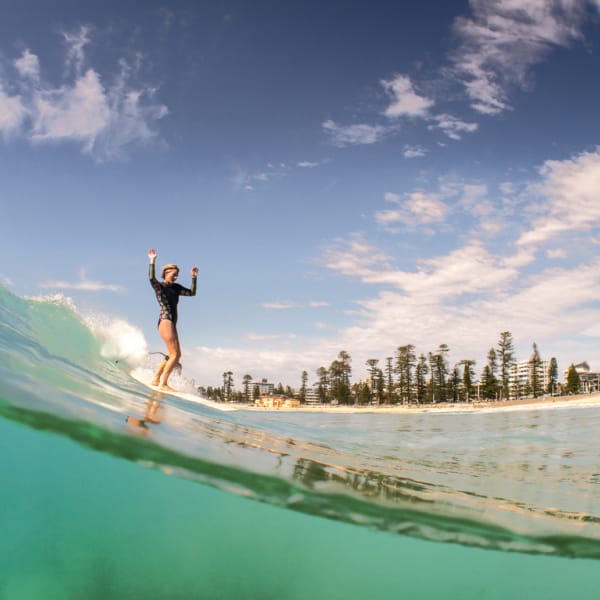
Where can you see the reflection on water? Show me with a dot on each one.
(153, 413)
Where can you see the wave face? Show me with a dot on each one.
(523, 481)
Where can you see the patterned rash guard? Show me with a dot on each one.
(168, 296)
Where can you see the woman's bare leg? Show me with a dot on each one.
(159, 372)
(168, 333)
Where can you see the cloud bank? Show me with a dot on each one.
(103, 115)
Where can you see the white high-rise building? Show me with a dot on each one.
(519, 377)
(260, 388)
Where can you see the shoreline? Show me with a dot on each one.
(580, 400)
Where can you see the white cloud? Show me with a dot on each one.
(318, 304)
(413, 152)
(85, 285)
(80, 112)
(452, 126)
(351, 135)
(571, 189)
(289, 304)
(498, 46)
(281, 305)
(12, 113)
(262, 337)
(28, 65)
(504, 39)
(465, 270)
(416, 208)
(249, 181)
(76, 41)
(305, 164)
(405, 101)
(104, 116)
(355, 257)
(556, 253)
(275, 365)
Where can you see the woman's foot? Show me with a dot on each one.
(155, 382)
(166, 388)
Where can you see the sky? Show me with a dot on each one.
(347, 175)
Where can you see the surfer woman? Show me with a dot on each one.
(167, 294)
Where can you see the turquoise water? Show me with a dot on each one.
(273, 505)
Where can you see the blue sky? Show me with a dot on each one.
(346, 175)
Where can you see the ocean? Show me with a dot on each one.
(111, 490)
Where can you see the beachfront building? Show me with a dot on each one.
(277, 401)
(520, 378)
(311, 397)
(589, 380)
(260, 388)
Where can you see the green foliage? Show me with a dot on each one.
(363, 393)
(467, 380)
(535, 380)
(405, 366)
(438, 366)
(573, 381)
(227, 385)
(304, 380)
(421, 380)
(389, 370)
(421, 372)
(552, 376)
(506, 359)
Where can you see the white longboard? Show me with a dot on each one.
(183, 395)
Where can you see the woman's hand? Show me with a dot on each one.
(194, 271)
(152, 255)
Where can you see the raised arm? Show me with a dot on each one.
(192, 290)
(151, 269)
(194, 280)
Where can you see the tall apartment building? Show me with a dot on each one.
(260, 388)
(519, 377)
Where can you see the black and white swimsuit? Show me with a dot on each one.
(168, 296)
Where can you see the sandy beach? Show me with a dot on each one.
(546, 402)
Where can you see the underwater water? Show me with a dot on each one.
(197, 503)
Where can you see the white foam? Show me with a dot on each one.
(120, 340)
(58, 299)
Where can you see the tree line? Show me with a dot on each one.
(407, 377)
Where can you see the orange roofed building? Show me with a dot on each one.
(275, 401)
